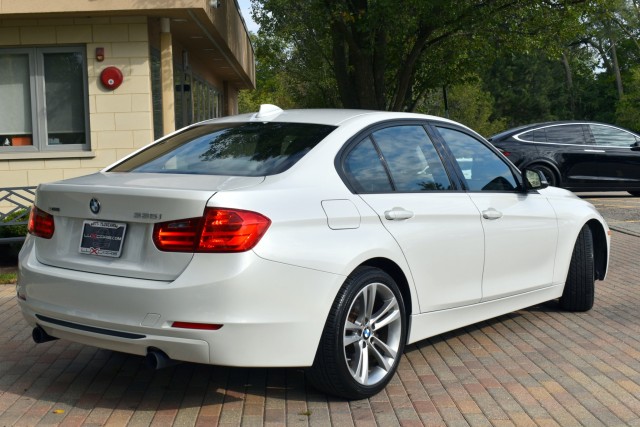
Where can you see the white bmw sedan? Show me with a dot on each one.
(325, 239)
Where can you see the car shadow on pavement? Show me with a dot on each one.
(78, 379)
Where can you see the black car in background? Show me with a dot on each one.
(579, 156)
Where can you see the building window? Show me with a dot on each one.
(195, 98)
(44, 99)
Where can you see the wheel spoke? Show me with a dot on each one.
(361, 371)
(384, 317)
(350, 327)
(351, 339)
(384, 356)
(370, 299)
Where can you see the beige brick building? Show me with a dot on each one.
(181, 61)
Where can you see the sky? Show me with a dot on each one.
(245, 8)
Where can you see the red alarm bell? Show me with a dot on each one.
(111, 78)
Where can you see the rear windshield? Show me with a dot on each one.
(241, 149)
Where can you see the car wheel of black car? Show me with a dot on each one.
(548, 173)
(579, 290)
(363, 338)
(634, 193)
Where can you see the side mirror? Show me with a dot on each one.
(635, 146)
(534, 180)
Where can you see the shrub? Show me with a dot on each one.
(14, 230)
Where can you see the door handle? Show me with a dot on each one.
(491, 214)
(397, 213)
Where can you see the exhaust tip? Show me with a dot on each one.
(158, 359)
(39, 335)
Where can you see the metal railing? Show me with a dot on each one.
(15, 204)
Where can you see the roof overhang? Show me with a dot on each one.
(217, 36)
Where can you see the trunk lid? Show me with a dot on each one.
(129, 203)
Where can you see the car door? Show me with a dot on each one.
(618, 156)
(520, 228)
(570, 148)
(397, 171)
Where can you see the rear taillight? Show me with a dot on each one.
(219, 230)
(40, 223)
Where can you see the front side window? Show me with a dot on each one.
(612, 137)
(242, 149)
(47, 89)
(483, 170)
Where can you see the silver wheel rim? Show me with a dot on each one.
(372, 334)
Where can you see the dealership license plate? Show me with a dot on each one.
(102, 238)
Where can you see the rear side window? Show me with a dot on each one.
(397, 158)
(242, 149)
(365, 170)
(537, 135)
(565, 134)
(412, 159)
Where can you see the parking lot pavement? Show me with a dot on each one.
(538, 366)
(621, 210)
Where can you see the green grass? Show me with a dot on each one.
(8, 278)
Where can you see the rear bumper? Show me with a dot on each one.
(272, 313)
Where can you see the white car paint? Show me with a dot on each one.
(459, 267)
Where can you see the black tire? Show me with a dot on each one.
(548, 173)
(634, 193)
(335, 368)
(579, 290)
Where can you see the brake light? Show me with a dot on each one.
(504, 152)
(40, 223)
(218, 230)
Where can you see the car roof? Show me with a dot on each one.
(331, 117)
(519, 129)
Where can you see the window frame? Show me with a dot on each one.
(39, 126)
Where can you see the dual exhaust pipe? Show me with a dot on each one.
(155, 358)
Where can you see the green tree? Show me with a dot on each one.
(389, 54)
(468, 103)
(628, 108)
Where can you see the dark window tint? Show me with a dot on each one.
(243, 149)
(527, 136)
(365, 170)
(412, 159)
(539, 135)
(536, 135)
(483, 170)
(565, 134)
(614, 137)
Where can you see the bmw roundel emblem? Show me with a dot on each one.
(94, 205)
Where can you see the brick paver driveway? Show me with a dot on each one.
(539, 366)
